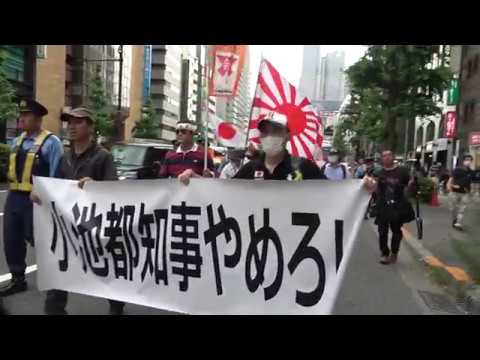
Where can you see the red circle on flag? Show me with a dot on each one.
(226, 131)
(297, 119)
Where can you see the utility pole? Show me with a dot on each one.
(120, 75)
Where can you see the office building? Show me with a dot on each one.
(332, 77)
(310, 77)
(58, 76)
(165, 85)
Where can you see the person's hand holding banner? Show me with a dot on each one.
(223, 248)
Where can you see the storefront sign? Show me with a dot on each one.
(441, 144)
(474, 138)
(453, 92)
(451, 125)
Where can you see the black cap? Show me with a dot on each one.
(369, 159)
(28, 105)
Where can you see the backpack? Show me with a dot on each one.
(344, 170)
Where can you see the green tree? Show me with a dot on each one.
(99, 104)
(393, 83)
(8, 107)
(147, 127)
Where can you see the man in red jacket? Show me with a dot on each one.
(189, 158)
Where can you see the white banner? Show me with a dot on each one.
(213, 247)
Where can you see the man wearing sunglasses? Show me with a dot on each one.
(187, 160)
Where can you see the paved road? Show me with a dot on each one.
(368, 288)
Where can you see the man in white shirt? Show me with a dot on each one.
(235, 157)
(334, 169)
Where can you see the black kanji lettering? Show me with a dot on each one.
(263, 235)
(116, 247)
(161, 273)
(91, 245)
(304, 251)
(58, 223)
(131, 243)
(184, 246)
(148, 242)
(338, 242)
(224, 226)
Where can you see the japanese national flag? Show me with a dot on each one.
(275, 94)
(228, 135)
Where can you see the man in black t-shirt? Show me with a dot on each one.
(275, 163)
(392, 206)
(459, 186)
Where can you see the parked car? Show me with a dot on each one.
(139, 160)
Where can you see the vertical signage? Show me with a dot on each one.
(147, 71)
(453, 92)
(451, 125)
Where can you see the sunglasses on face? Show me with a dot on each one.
(182, 131)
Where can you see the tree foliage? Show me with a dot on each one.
(98, 102)
(393, 83)
(147, 127)
(8, 107)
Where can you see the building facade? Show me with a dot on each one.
(310, 77)
(431, 145)
(19, 68)
(468, 127)
(332, 77)
(58, 76)
(166, 83)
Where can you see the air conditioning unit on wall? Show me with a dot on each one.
(41, 51)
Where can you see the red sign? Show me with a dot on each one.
(474, 139)
(450, 125)
(227, 63)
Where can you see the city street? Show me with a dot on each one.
(369, 288)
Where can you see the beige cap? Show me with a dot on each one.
(80, 112)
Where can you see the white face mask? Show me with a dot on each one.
(272, 145)
(333, 159)
(467, 163)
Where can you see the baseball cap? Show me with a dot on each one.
(273, 118)
(80, 112)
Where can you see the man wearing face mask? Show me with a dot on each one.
(334, 170)
(459, 186)
(275, 163)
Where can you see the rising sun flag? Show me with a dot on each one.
(274, 93)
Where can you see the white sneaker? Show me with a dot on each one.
(457, 226)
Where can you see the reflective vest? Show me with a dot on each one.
(25, 183)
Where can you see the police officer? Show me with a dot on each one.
(35, 152)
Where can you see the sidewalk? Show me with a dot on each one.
(456, 252)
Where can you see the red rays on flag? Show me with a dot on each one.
(274, 93)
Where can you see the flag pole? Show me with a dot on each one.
(205, 158)
(253, 100)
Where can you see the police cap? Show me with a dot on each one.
(29, 105)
